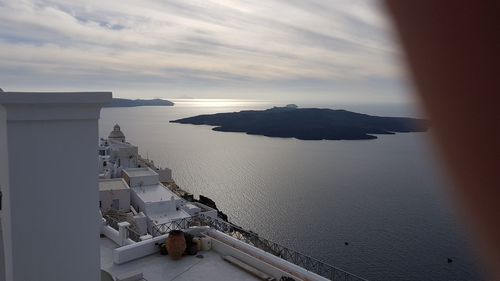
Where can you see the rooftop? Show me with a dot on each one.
(154, 193)
(139, 172)
(161, 218)
(112, 184)
(119, 144)
(156, 267)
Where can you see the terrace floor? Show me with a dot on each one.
(161, 268)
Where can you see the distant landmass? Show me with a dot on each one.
(307, 123)
(131, 103)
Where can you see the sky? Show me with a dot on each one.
(290, 50)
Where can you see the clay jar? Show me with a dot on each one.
(176, 244)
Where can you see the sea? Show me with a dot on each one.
(382, 209)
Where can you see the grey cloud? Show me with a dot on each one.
(196, 42)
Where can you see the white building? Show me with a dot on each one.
(117, 134)
(148, 195)
(124, 154)
(114, 194)
(165, 174)
(116, 154)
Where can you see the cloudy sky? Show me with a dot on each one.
(274, 50)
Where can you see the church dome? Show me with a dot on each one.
(117, 134)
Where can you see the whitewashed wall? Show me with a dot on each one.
(143, 180)
(106, 198)
(50, 205)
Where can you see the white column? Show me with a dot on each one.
(123, 232)
(48, 176)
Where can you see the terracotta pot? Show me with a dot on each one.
(176, 244)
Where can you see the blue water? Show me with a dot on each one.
(387, 198)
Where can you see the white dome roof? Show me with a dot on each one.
(117, 133)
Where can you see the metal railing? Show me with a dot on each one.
(251, 238)
(133, 235)
(111, 222)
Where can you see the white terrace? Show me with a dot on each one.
(208, 265)
(246, 262)
(233, 254)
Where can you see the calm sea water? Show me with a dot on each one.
(387, 197)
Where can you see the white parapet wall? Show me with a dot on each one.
(277, 263)
(50, 206)
(138, 250)
(147, 247)
(225, 249)
(141, 222)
